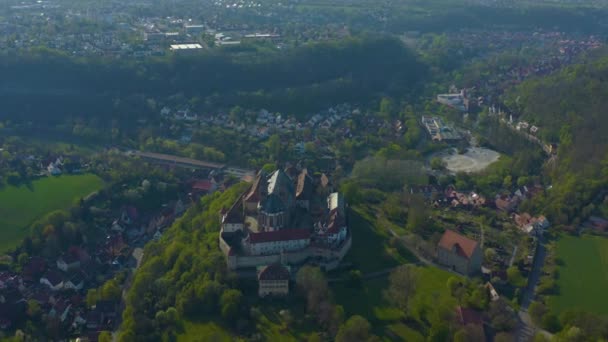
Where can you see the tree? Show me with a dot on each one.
(515, 277)
(33, 309)
(470, 333)
(386, 108)
(437, 164)
(502, 317)
(503, 337)
(105, 336)
(417, 214)
(91, 297)
(22, 259)
(354, 278)
(274, 146)
(402, 286)
(355, 329)
(507, 182)
(537, 311)
(110, 291)
(230, 302)
(312, 284)
(351, 191)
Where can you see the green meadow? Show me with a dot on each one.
(20, 206)
(583, 277)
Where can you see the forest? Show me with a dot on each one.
(570, 108)
(47, 86)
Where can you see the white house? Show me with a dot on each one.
(53, 169)
(75, 283)
(53, 280)
(68, 262)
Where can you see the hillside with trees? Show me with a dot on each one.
(183, 275)
(49, 86)
(570, 107)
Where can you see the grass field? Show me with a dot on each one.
(202, 332)
(369, 302)
(583, 278)
(20, 206)
(370, 250)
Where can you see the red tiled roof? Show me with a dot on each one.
(279, 235)
(274, 272)
(202, 185)
(463, 245)
(324, 180)
(253, 194)
(304, 186)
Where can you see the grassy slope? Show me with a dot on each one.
(20, 206)
(371, 304)
(583, 278)
(203, 331)
(370, 250)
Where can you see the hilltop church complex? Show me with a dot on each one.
(288, 217)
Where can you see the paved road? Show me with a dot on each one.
(527, 329)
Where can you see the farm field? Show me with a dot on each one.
(583, 277)
(20, 206)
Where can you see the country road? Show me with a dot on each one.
(526, 328)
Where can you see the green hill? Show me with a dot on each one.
(570, 109)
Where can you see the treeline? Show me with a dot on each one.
(455, 16)
(569, 107)
(48, 86)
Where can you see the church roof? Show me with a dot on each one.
(273, 204)
(280, 181)
(304, 187)
(254, 192)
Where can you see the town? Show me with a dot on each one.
(265, 170)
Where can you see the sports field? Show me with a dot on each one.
(583, 278)
(20, 206)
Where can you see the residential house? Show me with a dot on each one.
(507, 203)
(53, 280)
(529, 224)
(68, 262)
(493, 293)
(76, 282)
(459, 253)
(598, 223)
(129, 215)
(34, 268)
(60, 310)
(273, 280)
(53, 169)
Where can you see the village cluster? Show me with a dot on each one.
(59, 286)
